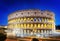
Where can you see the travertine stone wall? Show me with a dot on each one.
(32, 21)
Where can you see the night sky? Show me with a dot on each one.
(9, 6)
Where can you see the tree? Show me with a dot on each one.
(34, 39)
(2, 37)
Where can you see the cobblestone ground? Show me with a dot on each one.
(11, 40)
(32, 40)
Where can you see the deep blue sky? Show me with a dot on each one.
(9, 6)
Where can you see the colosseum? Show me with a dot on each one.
(31, 23)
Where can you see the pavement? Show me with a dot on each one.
(11, 40)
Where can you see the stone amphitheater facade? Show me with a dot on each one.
(32, 22)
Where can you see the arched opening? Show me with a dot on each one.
(34, 39)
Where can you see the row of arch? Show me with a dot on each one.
(31, 25)
(29, 32)
(31, 19)
(37, 31)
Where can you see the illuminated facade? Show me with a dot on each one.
(32, 22)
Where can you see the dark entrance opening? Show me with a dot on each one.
(34, 39)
